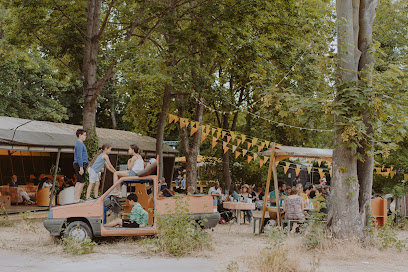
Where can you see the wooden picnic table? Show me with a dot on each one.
(238, 207)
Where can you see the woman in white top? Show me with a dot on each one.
(135, 164)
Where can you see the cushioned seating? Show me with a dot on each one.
(13, 192)
(66, 196)
(43, 197)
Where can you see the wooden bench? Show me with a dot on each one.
(289, 223)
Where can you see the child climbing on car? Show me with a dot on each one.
(138, 217)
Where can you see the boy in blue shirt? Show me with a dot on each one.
(80, 163)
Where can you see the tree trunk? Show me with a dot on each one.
(226, 170)
(344, 216)
(89, 66)
(113, 116)
(161, 126)
(365, 168)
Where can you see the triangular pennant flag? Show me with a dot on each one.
(176, 119)
(297, 171)
(171, 118)
(276, 163)
(266, 158)
(298, 166)
(234, 147)
(223, 134)
(388, 170)
(331, 173)
(194, 129)
(255, 156)
(320, 170)
(219, 130)
(203, 137)
(249, 145)
(261, 162)
(238, 142)
(233, 135)
(228, 139)
(321, 175)
(392, 167)
(226, 149)
(182, 122)
(243, 137)
(237, 153)
(249, 158)
(329, 164)
(309, 169)
(285, 169)
(244, 151)
(267, 144)
(287, 164)
(254, 141)
(319, 162)
(385, 174)
(260, 147)
(378, 169)
(392, 174)
(405, 177)
(309, 160)
(218, 135)
(224, 144)
(214, 142)
(213, 131)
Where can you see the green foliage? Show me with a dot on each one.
(28, 222)
(350, 194)
(4, 220)
(342, 169)
(387, 236)
(73, 246)
(178, 234)
(314, 231)
(92, 144)
(233, 267)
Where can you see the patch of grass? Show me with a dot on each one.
(233, 267)
(4, 220)
(74, 246)
(178, 234)
(28, 222)
(275, 259)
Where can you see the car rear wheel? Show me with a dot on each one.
(78, 230)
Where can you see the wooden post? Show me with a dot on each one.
(54, 178)
(275, 184)
(268, 182)
(103, 181)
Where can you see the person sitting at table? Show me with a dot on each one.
(252, 193)
(216, 190)
(22, 193)
(44, 183)
(294, 206)
(233, 193)
(259, 198)
(247, 198)
(288, 191)
(281, 197)
(299, 186)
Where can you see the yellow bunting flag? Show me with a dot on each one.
(385, 174)
(405, 177)
(319, 162)
(276, 163)
(249, 158)
(254, 141)
(243, 137)
(285, 169)
(392, 174)
(329, 164)
(261, 162)
(309, 169)
(225, 147)
(171, 118)
(213, 131)
(309, 160)
(203, 137)
(234, 147)
(298, 166)
(233, 135)
(388, 170)
(244, 151)
(267, 144)
(260, 147)
(255, 156)
(183, 122)
(237, 153)
(392, 167)
(214, 142)
(378, 170)
(194, 128)
(228, 139)
(321, 174)
(238, 142)
(218, 135)
(287, 164)
(219, 130)
(249, 145)
(297, 171)
(320, 170)
(266, 158)
(223, 134)
(331, 173)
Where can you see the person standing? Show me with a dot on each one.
(80, 163)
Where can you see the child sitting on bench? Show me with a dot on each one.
(138, 217)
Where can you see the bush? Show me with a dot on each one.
(74, 246)
(177, 233)
(29, 223)
(387, 237)
(4, 220)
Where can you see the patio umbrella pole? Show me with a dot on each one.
(54, 179)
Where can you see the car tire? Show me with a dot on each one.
(78, 230)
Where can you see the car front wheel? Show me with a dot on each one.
(78, 230)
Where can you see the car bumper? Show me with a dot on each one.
(54, 226)
(208, 220)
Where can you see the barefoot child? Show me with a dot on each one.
(138, 217)
(95, 167)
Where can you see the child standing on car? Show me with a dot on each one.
(138, 217)
(80, 163)
(99, 161)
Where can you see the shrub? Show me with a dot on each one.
(177, 233)
(387, 237)
(74, 246)
(29, 223)
(4, 220)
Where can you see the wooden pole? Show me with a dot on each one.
(268, 183)
(275, 183)
(54, 178)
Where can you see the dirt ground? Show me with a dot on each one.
(28, 247)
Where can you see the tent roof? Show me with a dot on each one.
(291, 151)
(50, 136)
